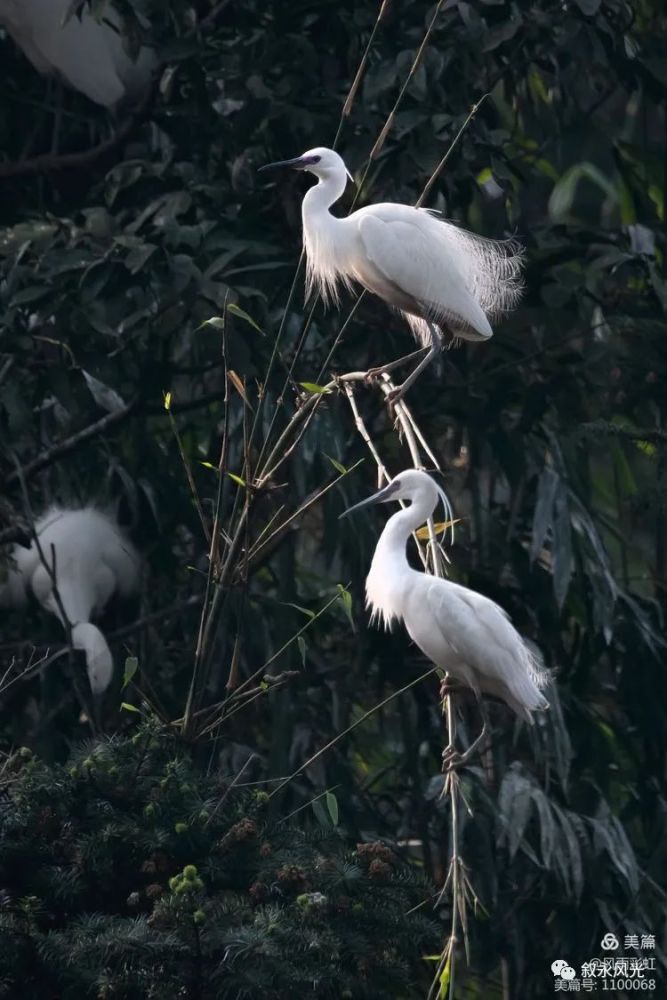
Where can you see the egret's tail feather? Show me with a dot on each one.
(99, 661)
(491, 268)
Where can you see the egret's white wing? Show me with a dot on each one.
(487, 641)
(424, 274)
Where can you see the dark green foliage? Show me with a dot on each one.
(130, 873)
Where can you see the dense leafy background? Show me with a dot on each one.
(552, 435)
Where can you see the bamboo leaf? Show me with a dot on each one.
(126, 707)
(240, 388)
(338, 466)
(314, 388)
(332, 806)
(131, 667)
(242, 314)
(217, 322)
(440, 527)
(346, 599)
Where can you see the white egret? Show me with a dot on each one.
(464, 633)
(442, 278)
(88, 54)
(90, 560)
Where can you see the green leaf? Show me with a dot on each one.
(443, 979)
(236, 479)
(301, 643)
(332, 806)
(321, 814)
(125, 706)
(297, 607)
(564, 192)
(242, 314)
(346, 598)
(217, 322)
(131, 667)
(338, 466)
(315, 389)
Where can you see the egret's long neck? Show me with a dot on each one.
(319, 198)
(390, 571)
(324, 237)
(400, 526)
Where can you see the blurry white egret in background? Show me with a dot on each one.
(464, 633)
(442, 278)
(87, 54)
(91, 560)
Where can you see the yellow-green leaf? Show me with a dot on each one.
(440, 528)
(242, 314)
(167, 401)
(338, 466)
(125, 705)
(346, 598)
(236, 479)
(304, 611)
(314, 387)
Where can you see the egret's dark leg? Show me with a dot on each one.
(433, 351)
(373, 373)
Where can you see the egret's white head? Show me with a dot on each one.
(321, 161)
(413, 485)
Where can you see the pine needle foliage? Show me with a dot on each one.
(130, 873)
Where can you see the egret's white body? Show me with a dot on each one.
(441, 277)
(464, 633)
(92, 560)
(86, 53)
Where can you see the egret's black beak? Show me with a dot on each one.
(298, 163)
(382, 496)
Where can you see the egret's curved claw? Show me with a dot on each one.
(373, 374)
(452, 759)
(395, 395)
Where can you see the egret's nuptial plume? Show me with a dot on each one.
(464, 633)
(442, 278)
(90, 560)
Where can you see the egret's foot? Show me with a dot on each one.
(395, 395)
(373, 374)
(449, 686)
(452, 759)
